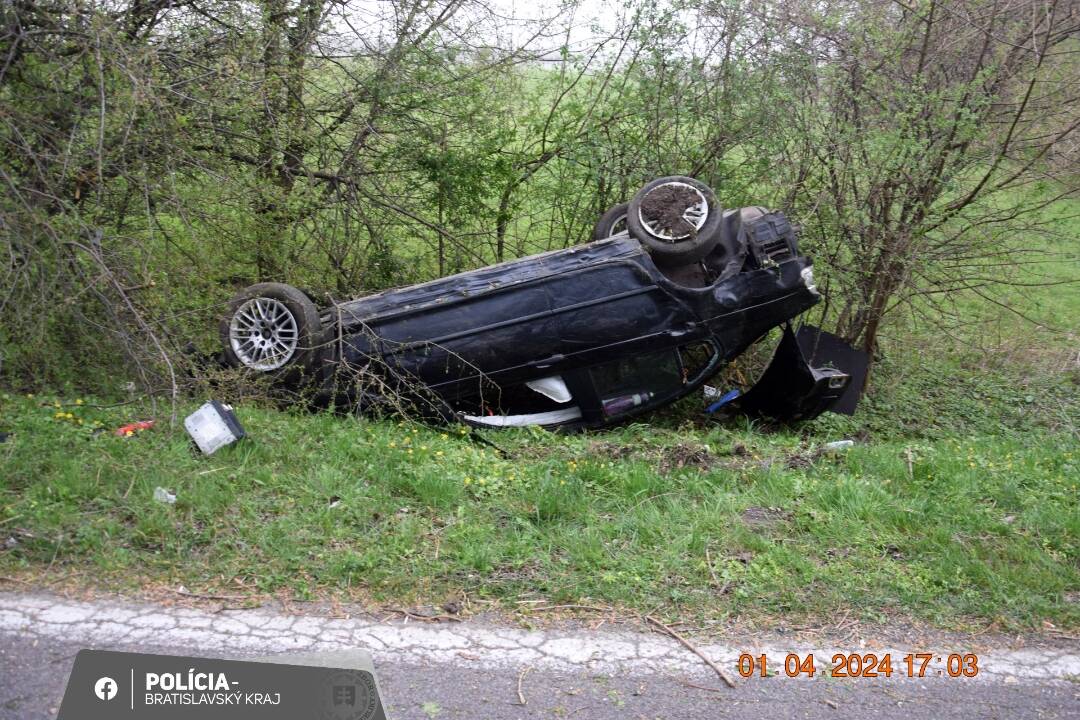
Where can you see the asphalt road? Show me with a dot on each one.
(468, 670)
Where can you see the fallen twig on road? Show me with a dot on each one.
(201, 596)
(426, 618)
(689, 646)
(570, 607)
(521, 695)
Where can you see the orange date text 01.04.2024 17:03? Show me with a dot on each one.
(866, 665)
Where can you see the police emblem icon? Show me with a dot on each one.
(349, 695)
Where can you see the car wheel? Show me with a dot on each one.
(611, 223)
(271, 328)
(677, 218)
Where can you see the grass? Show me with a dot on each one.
(959, 505)
(950, 520)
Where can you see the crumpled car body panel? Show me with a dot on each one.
(812, 371)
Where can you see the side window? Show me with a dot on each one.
(638, 380)
(629, 383)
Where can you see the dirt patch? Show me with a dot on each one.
(613, 451)
(799, 460)
(679, 456)
(663, 209)
(683, 456)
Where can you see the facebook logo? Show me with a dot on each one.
(105, 688)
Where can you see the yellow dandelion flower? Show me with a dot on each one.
(423, 447)
(438, 453)
(78, 401)
(444, 436)
(466, 481)
(409, 451)
(129, 433)
(393, 444)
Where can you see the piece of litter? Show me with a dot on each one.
(213, 426)
(838, 445)
(162, 495)
(131, 428)
(723, 400)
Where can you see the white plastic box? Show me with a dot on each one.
(213, 426)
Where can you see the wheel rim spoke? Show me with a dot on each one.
(264, 334)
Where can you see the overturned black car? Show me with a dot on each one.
(671, 289)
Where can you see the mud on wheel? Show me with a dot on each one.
(678, 218)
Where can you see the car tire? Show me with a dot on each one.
(272, 328)
(693, 239)
(611, 223)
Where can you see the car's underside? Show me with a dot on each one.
(670, 292)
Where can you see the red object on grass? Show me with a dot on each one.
(130, 428)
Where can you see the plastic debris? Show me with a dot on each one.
(131, 428)
(162, 495)
(838, 445)
(722, 401)
(213, 426)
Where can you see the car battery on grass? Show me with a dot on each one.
(213, 426)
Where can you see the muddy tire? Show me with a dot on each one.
(272, 328)
(611, 223)
(677, 218)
